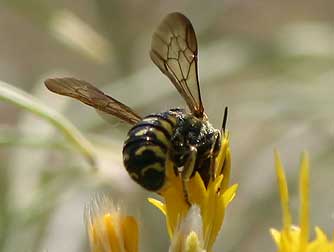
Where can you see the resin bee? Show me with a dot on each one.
(185, 138)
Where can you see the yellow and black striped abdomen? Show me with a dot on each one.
(146, 148)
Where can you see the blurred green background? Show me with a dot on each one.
(271, 62)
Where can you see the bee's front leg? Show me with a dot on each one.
(187, 171)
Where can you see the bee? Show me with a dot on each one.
(185, 138)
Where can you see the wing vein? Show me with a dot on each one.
(174, 51)
(90, 95)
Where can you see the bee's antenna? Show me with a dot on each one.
(225, 119)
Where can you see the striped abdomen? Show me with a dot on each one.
(146, 148)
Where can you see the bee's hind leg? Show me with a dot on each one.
(187, 171)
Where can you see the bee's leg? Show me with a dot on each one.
(187, 171)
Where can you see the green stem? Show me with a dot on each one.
(19, 98)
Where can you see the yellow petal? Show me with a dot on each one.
(321, 243)
(304, 201)
(284, 193)
(276, 235)
(226, 170)
(320, 235)
(109, 228)
(221, 155)
(97, 238)
(197, 190)
(294, 238)
(112, 232)
(217, 184)
(212, 200)
(176, 207)
(229, 194)
(213, 214)
(130, 234)
(162, 207)
(216, 221)
(158, 204)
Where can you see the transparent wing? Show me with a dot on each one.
(174, 51)
(90, 95)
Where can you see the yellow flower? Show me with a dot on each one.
(296, 238)
(109, 228)
(212, 200)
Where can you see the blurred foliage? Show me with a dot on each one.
(271, 62)
(20, 99)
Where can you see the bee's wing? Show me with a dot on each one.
(90, 95)
(174, 51)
